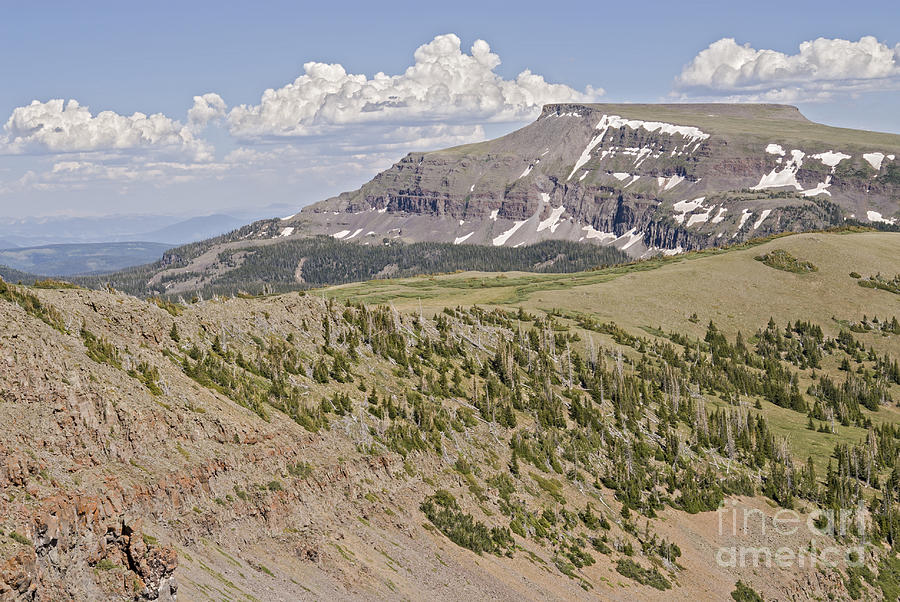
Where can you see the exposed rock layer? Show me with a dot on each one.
(616, 169)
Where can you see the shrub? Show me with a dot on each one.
(50, 283)
(461, 528)
(32, 305)
(105, 564)
(600, 545)
(782, 260)
(173, 308)
(745, 593)
(889, 578)
(652, 577)
(300, 469)
(100, 350)
(882, 283)
(148, 376)
(403, 438)
(551, 486)
(19, 538)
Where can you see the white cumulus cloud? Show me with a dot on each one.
(819, 69)
(444, 84)
(56, 126)
(325, 132)
(207, 107)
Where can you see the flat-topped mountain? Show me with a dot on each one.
(645, 178)
(635, 180)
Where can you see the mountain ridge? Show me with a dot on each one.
(629, 181)
(320, 446)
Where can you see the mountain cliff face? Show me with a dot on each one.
(645, 178)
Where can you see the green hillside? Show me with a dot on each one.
(553, 435)
(728, 286)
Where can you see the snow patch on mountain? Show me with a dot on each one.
(720, 216)
(682, 208)
(821, 188)
(631, 237)
(875, 216)
(586, 153)
(527, 170)
(692, 135)
(501, 240)
(831, 158)
(688, 206)
(785, 177)
(762, 217)
(552, 222)
(670, 182)
(875, 160)
(591, 233)
(699, 218)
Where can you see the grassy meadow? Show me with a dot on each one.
(683, 294)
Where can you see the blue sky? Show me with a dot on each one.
(154, 58)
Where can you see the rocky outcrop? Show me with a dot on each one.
(74, 549)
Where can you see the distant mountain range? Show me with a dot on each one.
(195, 228)
(66, 246)
(90, 258)
(163, 229)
